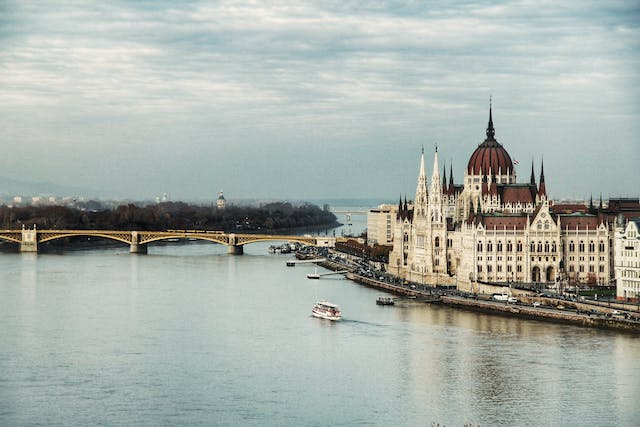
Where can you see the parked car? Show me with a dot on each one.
(536, 304)
(512, 300)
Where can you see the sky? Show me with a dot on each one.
(316, 99)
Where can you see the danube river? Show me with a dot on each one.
(188, 335)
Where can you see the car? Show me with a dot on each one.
(536, 304)
(512, 300)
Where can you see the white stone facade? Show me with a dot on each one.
(627, 260)
(493, 230)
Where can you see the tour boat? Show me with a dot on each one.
(314, 275)
(326, 310)
(385, 301)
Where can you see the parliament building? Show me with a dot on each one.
(492, 229)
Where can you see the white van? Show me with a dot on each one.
(499, 297)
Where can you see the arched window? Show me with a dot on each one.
(592, 246)
(519, 246)
(509, 246)
(546, 246)
(479, 246)
(499, 246)
(601, 246)
(539, 246)
(437, 242)
(489, 246)
(581, 246)
(572, 246)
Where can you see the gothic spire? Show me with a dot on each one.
(451, 187)
(444, 176)
(420, 201)
(542, 190)
(490, 131)
(533, 175)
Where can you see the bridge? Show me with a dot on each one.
(28, 239)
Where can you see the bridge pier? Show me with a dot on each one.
(236, 250)
(29, 240)
(135, 247)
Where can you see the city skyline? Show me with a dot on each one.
(316, 100)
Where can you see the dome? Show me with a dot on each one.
(490, 156)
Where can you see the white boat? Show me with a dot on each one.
(326, 310)
(314, 275)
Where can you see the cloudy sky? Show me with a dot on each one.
(317, 99)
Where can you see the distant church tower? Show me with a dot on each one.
(221, 201)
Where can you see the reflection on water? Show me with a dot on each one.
(191, 336)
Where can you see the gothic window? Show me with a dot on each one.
(539, 246)
(437, 242)
(519, 246)
(489, 269)
(499, 246)
(509, 246)
(546, 225)
(479, 246)
(508, 269)
(499, 268)
(591, 270)
(592, 246)
(572, 246)
(533, 247)
(553, 247)
(546, 246)
(581, 246)
(479, 269)
(601, 246)
(519, 269)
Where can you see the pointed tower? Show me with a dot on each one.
(452, 189)
(542, 189)
(435, 192)
(420, 204)
(532, 181)
(444, 179)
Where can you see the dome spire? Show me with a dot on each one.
(490, 130)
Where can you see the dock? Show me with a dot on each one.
(292, 263)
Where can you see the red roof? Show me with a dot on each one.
(519, 222)
(579, 221)
(514, 193)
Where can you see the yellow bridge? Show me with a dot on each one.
(29, 238)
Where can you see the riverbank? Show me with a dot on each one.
(548, 310)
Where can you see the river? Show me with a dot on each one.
(188, 335)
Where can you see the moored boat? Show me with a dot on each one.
(385, 301)
(326, 310)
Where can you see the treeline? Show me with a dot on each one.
(167, 216)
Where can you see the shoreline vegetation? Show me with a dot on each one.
(272, 217)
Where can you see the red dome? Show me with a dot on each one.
(490, 156)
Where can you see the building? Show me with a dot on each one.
(627, 259)
(494, 230)
(380, 223)
(220, 203)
